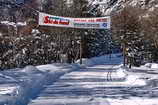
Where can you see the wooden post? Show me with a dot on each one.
(124, 54)
(81, 49)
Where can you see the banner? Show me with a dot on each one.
(92, 23)
(86, 23)
(50, 20)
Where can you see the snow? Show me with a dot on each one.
(21, 24)
(86, 84)
(154, 66)
(6, 90)
(148, 67)
(108, 59)
(8, 23)
(48, 67)
(13, 23)
(22, 84)
(134, 80)
(31, 69)
(121, 73)
(114, 81)
(35, 31)
(133, 101)
(109, 6)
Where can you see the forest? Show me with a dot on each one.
(23, 42)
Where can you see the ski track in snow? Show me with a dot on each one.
(88, 87)
(89, 84)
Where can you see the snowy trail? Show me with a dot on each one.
(89, 87)
(33, 87)
(19, 86)
(73, 88)
(96, 82)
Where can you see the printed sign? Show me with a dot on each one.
(50, 20)
(94, 23)
(87, 23)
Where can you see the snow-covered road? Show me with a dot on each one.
(90, 86)
(99, 81)
(75, 88)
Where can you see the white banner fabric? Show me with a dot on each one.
(85, 23)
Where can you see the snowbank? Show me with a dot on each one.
(151, 65)
(121, 77)
(35, 78)
(19, 86)
(107, 59)
(31, 69)
(154, 66)
(8, 86)
(148, 67)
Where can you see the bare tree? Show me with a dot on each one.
(150, 30)
(126, 27)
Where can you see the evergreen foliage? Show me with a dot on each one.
(34, 45)
(30, 44)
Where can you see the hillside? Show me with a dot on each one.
(108, 6)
